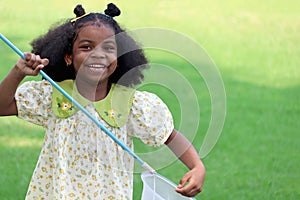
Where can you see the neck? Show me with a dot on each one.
(93, 93)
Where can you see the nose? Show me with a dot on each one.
(98, 53)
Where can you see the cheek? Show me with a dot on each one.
(76, 67)
(112, 68)
(112, 59)
(77, 62)
(114, 64)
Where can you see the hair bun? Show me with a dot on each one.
(112, 10)
(79, 10)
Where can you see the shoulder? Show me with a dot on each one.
(33, 99)
(150, 119)
(36, 83)
(146, 98)
(148, 105)
(33, 89)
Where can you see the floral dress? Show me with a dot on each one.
(78, 160)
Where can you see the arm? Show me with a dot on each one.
(30, 66)
(184, 150)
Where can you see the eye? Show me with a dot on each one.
(109, 48)
(85, 47)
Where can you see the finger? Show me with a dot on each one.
(37, 69)
(30, 59)
(191, 193)
(187, 186)
(27, 56)
(183, 180)
(37, 61)
(185, 192)
(185, 189)
(40, 61)
(191, 189)
(45, 61)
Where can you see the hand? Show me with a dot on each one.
(191, 183)
(31, 65)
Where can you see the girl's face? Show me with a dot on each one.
(94, 54)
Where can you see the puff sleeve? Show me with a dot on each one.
(33, 100)
(150, 119)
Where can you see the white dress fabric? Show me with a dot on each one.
(78, 160)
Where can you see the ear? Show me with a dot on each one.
(68, 59)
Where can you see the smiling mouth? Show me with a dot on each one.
(97, 66)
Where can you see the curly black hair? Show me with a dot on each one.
(59, 40)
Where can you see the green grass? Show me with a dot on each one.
(256, 48)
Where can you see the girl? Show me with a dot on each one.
(89, 57)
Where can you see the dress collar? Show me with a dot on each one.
(114, 108)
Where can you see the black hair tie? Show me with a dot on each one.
(79, 10)
(112, 10)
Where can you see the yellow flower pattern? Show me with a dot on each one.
(112, 114)
(78, 160)
(66, 106)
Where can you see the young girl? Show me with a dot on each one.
(88, 57)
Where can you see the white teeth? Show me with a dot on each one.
(96, 66)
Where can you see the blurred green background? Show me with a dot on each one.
(254, 44)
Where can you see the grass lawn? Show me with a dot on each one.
(255, 46)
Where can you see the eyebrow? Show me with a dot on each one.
(109, 41)
(85, 40)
